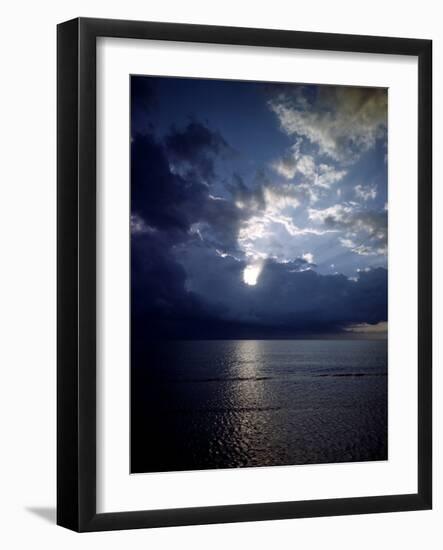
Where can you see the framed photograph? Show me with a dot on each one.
(244, 274)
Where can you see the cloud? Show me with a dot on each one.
(289, 298)
(365, 192)
(380, 328)
(159, 197)
(270, 231)
(186, 290)
(181, 201)
(171, 210)
(161, 303)
(338, 215)
(362, 249)
(278, 198)
(219, 222)
(194, 149)
(364, 232)
(139, 227)
(296, 163)
(343, 122)
(309, 257)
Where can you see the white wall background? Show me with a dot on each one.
(27, 272)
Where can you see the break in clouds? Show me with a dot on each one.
(257, 210)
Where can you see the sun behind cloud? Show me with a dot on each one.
(251, 274)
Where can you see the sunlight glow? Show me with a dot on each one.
(251, 274)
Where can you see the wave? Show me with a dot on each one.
(214, 379)
(289, 379)
(350, 374)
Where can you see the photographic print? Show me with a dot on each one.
(259, 276)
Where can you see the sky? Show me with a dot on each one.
(258, 210)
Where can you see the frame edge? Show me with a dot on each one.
(424, 180)
(67, 277)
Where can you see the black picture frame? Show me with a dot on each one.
(76, 266)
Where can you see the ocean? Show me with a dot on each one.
(199, 405)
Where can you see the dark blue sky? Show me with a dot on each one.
(257, 209)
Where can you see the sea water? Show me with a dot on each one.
(247, 403)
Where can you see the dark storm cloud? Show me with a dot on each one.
(169, 198)
(169, 210)
(302, 299)
(161, 305)
(196, 147)
(159, 281)
(163, 199)
(289, 296)
(219, 223)
(194, 293)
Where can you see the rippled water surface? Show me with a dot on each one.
(224, 404)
